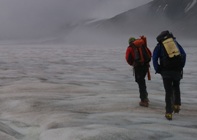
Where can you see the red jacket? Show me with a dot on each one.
(130, 53)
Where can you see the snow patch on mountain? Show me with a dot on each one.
(163, 8)
(190, 5)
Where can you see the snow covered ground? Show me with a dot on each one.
(68, 92)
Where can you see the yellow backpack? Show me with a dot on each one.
(171, 47)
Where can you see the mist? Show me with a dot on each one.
(46, 19)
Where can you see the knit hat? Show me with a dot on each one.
(131, 39)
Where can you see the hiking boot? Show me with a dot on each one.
(147, 100)
(144, 103)
(168, 116)
(176, 108)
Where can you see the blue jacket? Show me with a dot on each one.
(158, 54)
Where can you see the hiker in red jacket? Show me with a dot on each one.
(138, 55)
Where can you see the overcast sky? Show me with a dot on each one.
(19, 17)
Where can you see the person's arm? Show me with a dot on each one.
(182, 51)
(156, 59)
(129, 56)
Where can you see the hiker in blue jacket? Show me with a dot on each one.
(171, 70)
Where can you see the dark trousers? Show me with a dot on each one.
(171, 81)
(140, 74)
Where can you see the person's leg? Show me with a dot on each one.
(168, 96)
(140, 74)
(142, 89)
(177, 95)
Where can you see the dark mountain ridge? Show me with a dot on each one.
(174, 15)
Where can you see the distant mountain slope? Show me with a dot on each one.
(179, 16)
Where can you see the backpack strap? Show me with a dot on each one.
(141, 54)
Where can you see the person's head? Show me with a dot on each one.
(131, 39)
(164, 35)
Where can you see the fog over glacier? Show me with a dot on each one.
(47, 19)
(63, 75)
